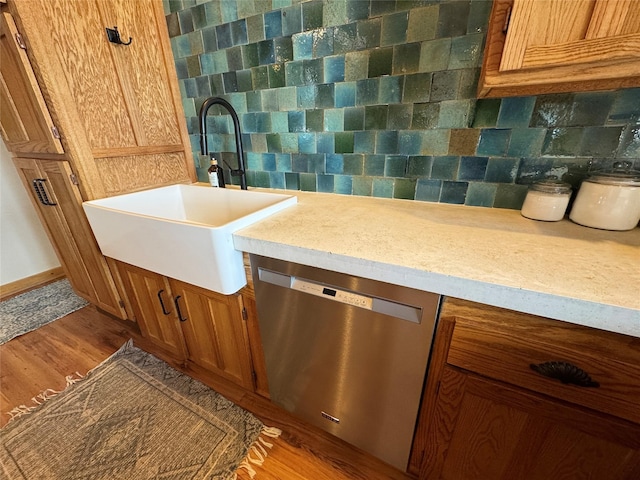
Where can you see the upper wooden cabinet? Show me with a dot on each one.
(546, 46)
(25, 122)
(117, 107)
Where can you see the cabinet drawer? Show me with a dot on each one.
(503, 345)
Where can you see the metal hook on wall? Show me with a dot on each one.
(114, 36)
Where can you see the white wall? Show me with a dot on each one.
(25, 249)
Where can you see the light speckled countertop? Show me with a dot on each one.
(497, 257)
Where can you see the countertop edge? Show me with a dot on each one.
(591, 314)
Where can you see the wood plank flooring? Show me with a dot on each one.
(78, 342)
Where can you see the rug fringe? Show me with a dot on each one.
(258, 450)
(42, 397)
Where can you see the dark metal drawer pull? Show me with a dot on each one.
(176, 301)
(565, 372)
(164, 309)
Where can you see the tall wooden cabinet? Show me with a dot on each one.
(514, 396)
(109, 114)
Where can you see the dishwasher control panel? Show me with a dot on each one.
(330, 293)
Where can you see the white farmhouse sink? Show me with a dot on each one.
(182, 231)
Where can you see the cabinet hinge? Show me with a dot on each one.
(244, 313)
(507, 19)
(55, 132)
(74, 180)
(20, 41)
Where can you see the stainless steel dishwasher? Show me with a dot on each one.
(344, 353)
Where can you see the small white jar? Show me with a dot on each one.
(610, 201)
(546, 200)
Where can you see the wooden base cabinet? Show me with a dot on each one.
(191, 323)
(487, 412)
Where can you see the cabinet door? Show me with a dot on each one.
(214, 331)
(482, 429)
(58, 202)
(559, 45)
(152, 303)
(25, 121)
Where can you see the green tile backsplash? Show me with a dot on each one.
(370, 97)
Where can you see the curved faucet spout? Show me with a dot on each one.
(204, 148)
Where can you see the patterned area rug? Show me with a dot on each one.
(132, 417)
(31, 310)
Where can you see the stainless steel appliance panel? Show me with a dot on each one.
(346, 354)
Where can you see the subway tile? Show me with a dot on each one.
(444, 85)
(600, 141)
(239, 32)
(515, 112)
(213, 13)
(425, 116)
(294, 73)
(173, 24)
(590, 108)
(334, 68)
(455, 113)
(313, 71)
(325, 97)
(362, 186)
(291, 20)
(250, 57)
(510, 196)
(466, 51)
(419, 166)
(468, 83)
(472, 168)
(630, 144)
(391, 89)
(255, 29)
(308, 182)
(335, 13)
(325, 183)
(289, 142)
(217, 85)
(368, 33)
(343, 184)
(367, 91)
(562, 141)
(345, 38)
(277, 180)
(209, 39)
(335, 163)
(452, 19)
(395, 165)
(380, 62)
(254, 101)
(263, 122)
(502, 170)
(486, 113)
(297, 121)
(434, 55)
(203, 87)
(404, 188)
(223, 34)
(399, 116)
(435, 142)
(354, 118)
(382, 188)
(248, 122)
(228, 11)
(266, 52)
(417, 88)
(481, 194)
(345, 93)
(356, 66)
(334, 120)
(375, 117)
(279, 121)
(423, 23)
(364, 141)
(406, 58)
(323, 42)
(625, 107)
(262, 180)
(410, 142)
(428, 190)
(306, 96)
(312, 15)
(532, 169)
(493, 142)
(193, 66)
(552, 110)
(180, 46)
(356, 10)
(292, 181)
(196, 44)
(283, 161)
(283, 49)
(464, 141)
(186, 21)
(260, 77)
(387, 142)
(299, 163)
(479, 17)
(454, 192)
(394, 28)
(307, 143)
(269, 160)
(381, 7)
(314, 120)
(302, 45)
(374, 165)
(254, 161)
(445, 168)
(325, 142)
(287, 99)
(273, 24)
(526, 142)
(277, 76)
(353, 164)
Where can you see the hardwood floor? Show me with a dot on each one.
(78, 342)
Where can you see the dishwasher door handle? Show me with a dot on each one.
(274, 278)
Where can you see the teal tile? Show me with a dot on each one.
(239, 32)
(353, 164)
(294, 73)
(185, 19)
(287, 99)
(262, 180)
(479, 17)
(325, 183)
(382, 187)
(455, 113)
(307, 143)
(428, 190)
(314, 120)
(323, 42)
(306, 96)
(213, 13)
(193, 66)
(434, 55)
(419, 166)
(362, 186)
(445, 168)
(283, 49)
(444, 85)
(312, 15)
(435, 142)
(502, 170)
(493, 142)
(382, 7)
(292, 181)
(552, 110)
(277, 180)
(254, 101)
(364, 142)
(313, 71)
(374, 165)
(410, 142)
(590, 108)
(283, 162)
(302, 45)
(356, 66)
(375, 117)
(425, 116)
(180, 46)
(245, 83)
(299, 163)
(289, 142)
(334, 120)
(254, 161)
(515, 112)
(273, 24)
(209, 39)
(423, 23)
(395, 166)
(510, 196)
(454, 192)
(406, 58)
(335, 163)
(472, 168)
(452, 19)
(343, 184)
(354, 118)
(291, 20)
(387, 142)
(279, 122)
(486, 113)
(630, 145)
(404, 188)
(277, 76)
(417, 88)
(258, 142)
(325, 97)
(468, 83)
(367, 91)
(308, 182)
(335, 13)
(562, 141)
(380, 62)
(394, 28)
(391, 89)
(600, 141)
(526, 142)
(334, 69)
(269, 161)
(325, 143)
(466, 51)
(173, 24)
(625, 108)
(250, 55)
(228, 11)
(368, 33)
(260, 77)
(344, 142)
(255, 29)
(399, 117)
(223, 34)
(345, 38)
(266, 52)
(345, 94)
(356, 10)
(480, 194)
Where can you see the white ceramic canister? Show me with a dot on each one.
(608, 200)
(546, 200)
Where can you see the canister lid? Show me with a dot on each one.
(620, 174)
(551, 186)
